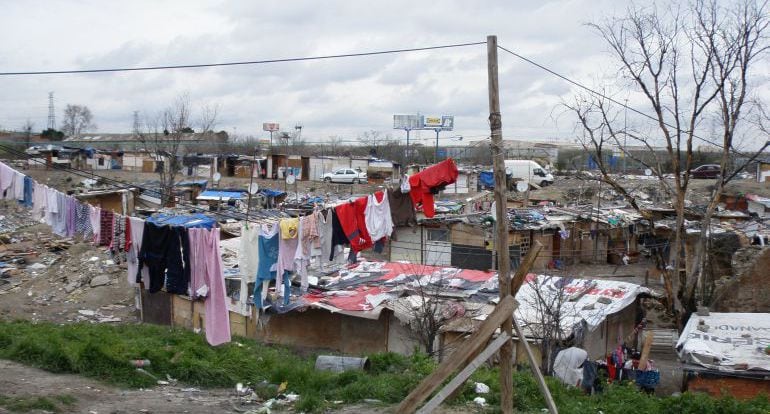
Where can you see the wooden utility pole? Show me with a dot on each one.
(501, 221)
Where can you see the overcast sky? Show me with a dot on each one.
(332, 97)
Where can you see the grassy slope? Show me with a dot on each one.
(103, 352)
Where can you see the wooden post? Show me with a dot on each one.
(526, 264)
(501, 221)
(477, 340)
(466, 373)
(518, 280)
(648, 337)
(535, 366)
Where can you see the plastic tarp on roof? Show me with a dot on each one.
(220, 195)
(201, 183)
(727, 342)
(197, 220)
(584, 300)
(487, 179)
(269, 192)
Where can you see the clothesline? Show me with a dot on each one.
(157, 251)
(181, 253)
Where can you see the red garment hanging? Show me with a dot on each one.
(353, 222)
(443, 173)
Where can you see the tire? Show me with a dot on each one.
(327, 180)
(543, 183)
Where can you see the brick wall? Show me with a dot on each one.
(740, 388)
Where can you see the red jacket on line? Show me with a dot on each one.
(353, 222)
(436, 175)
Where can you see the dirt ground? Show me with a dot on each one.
(79, 283)
(20, 381)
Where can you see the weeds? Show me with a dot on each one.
(104, 352)
(27, 404)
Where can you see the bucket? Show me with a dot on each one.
(335, 363)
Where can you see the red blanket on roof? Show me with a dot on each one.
(443, 173)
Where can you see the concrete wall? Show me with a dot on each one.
(318, 328)
(611, 333)
(405, 245)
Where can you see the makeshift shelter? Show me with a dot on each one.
(727, 353)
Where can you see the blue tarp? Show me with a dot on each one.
(271, 193)
(487, 179)
(197, 220)
(237, 195)
(200, 183)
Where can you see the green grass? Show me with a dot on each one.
(27, 404)
(103, 352)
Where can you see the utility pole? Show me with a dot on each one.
(625, 137)
(251, 181)
(408, 156)
(501, 221)
(435, 156)
(51, 112)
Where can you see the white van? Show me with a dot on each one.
(528, 171)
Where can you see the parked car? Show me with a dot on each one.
(345, 175)
(706, 171)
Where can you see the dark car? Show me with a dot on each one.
(706, 171)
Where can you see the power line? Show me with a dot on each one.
(597, 93)
(240, 63)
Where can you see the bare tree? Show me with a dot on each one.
(77, 119)
(545, 313)
(429, 307)
(692, 65)
(163, 137)
(335, 144)
(27, 128)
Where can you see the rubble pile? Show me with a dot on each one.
(59, 278)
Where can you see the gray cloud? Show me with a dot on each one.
(334, 97)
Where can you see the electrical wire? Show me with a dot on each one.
(240, 63)
(597, 93)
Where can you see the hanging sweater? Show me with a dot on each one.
(161, 253)
(428, 180)
(353, 222)
(379, 222)
(268, 252)
(401, 208)
(339, 238)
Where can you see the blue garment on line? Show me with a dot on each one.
(286, 289)
(29, 184)
(267, 247)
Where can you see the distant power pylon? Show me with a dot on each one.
(51, 112)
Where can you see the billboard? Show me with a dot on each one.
(443, 122)
(270, 126)
(407, 122)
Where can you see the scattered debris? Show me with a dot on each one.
(100, 280)
(482, 388)
(480, 401)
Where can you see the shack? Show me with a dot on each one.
(726, 353)
(121, 201)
